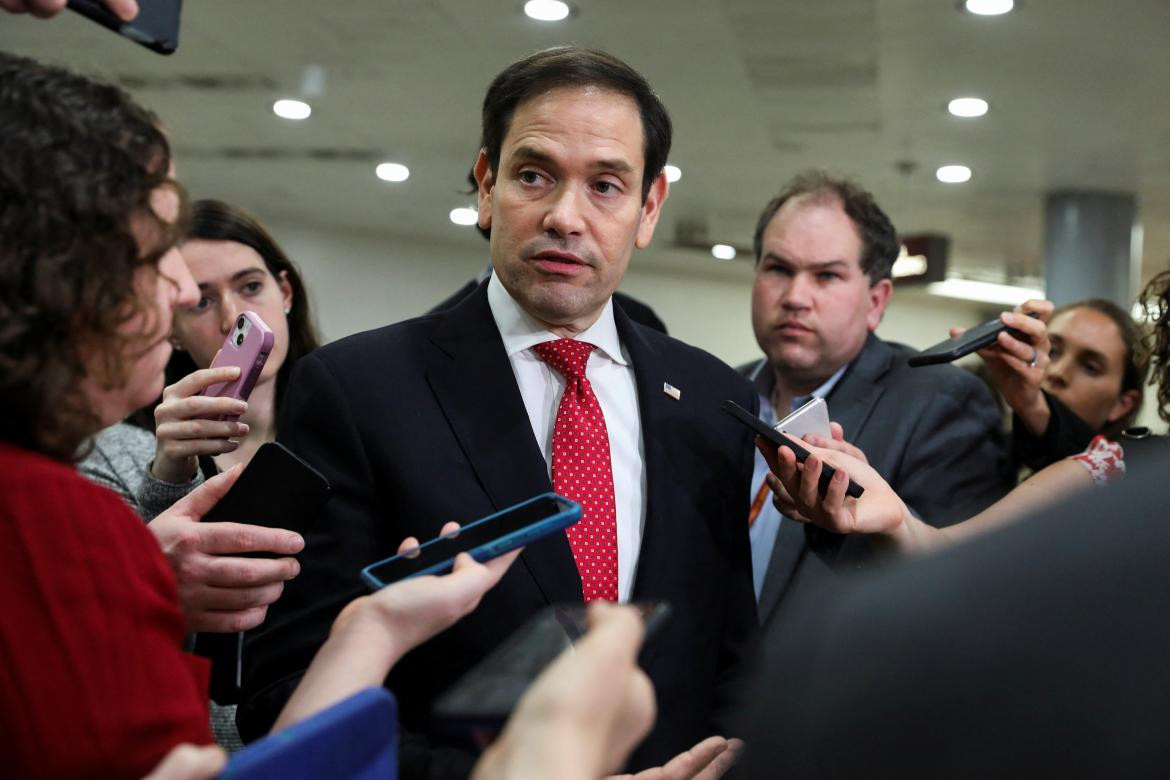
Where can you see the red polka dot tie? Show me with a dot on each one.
(582, 471)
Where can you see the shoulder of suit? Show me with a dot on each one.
(943, 377)
(378, 340)
(681, 353)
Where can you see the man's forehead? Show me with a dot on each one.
(813, 228)
(552, 102)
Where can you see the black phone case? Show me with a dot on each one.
(156, 27)
(276, 490)
(982, 335)
(780, 440)
(485, 696)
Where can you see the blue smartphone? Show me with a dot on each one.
(484, 539)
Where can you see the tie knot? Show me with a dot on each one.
(567, 356)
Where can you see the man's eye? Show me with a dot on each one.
(605, 187)
(529, 177)
(826, 276)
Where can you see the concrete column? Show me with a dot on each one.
(1092, 246)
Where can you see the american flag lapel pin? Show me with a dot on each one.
(671, 390)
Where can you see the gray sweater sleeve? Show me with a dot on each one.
(120, 460)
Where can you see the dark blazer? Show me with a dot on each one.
(1039, 650)
(1067, 434)
(932, 432)
(422, 422)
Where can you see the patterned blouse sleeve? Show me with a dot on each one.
(1104, 459)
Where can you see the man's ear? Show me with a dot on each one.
(879, 297)
(651, 208)
(485, 182)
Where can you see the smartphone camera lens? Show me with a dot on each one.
(240, 322)
(239, 339)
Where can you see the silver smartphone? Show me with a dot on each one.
(810, 419)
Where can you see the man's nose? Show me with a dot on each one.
(798, 293)
(564, 216)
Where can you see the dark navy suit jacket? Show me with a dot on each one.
(422, 422)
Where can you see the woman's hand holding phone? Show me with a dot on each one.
(189, 424)
(372, 632)
(411, 611)
(796, 493)
(1017, 366)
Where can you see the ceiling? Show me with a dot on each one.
(758, 89)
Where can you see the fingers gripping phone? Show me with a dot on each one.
(484, 539)
(970, 340)
(780, 440)
(247, 346)
(156, 27)
(485, 696)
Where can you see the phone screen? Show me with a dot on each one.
(484, 539)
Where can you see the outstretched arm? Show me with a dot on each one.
(880, 511)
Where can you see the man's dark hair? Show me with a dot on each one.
(78, 163)
(573, 67)
(879, 240)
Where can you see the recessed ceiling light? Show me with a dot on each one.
(291, 109)
(390, 171)
(723, 252)
(464, 216)
(673, 173)
(990, 7)
(967, 107)
(953, 174)
(546, 10)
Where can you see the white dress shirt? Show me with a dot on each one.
(612, 377)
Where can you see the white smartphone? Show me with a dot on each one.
(812, 418)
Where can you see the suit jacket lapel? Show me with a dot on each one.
(853, 399)
(787, 553)
(655, 410)
(474, 385)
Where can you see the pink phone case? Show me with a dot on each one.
(247, 345)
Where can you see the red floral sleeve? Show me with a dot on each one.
(1104, 459)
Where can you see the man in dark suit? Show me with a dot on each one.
(456, 415)
(1039, 650)
(824, 253)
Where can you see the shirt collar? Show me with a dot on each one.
(520, 331)
(764, 381)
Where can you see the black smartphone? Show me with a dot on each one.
(156, 27)
(970, 340)
(780, 440)
(485, 696)
(276, 490)
(484, 539)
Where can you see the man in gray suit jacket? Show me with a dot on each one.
(824, 252)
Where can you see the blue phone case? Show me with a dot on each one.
(356, 738)
(568, 513)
